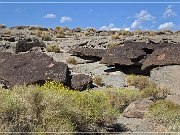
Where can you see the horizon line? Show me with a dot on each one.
(123, 2)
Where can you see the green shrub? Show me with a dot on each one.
(38, 33)
(54, 108)
(71, 60)
(138, 32)
(98, 80)
(53, 48)
(88, 111)
(147, 87)
(151, 33)
(116, 36)
(125, 33)
(59, 32)
(46, 36)
(155, 92)
(165, 113)
(140, 82)
(113, 45)
(121, 98)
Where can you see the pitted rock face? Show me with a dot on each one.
(26, 44)
(132, 53)
(162, 57)
(28, 68)
(5, 55)
(81, 82)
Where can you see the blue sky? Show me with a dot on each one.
(99, 16)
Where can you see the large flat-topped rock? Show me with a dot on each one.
(162, 57)
(132, 53)
(28, 68)
(88, 52)
(28, 43)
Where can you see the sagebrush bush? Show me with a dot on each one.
(98, 80)
(38, 33)
(166, 113)
(46, 36)
(53, 48)
(113, 45)
(43, 34)
(147, 87)
(71, 60)
(139, 81)
(116, 36)
(138, 32)
(125, 33)
(121, 98)
(59, 32)
(155, 92)
(54, 108)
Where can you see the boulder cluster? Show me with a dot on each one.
(134, 54)
(27, 57)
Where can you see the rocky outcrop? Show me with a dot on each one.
(88, 53)
(20, 27)
(81, 82)
(132, 53)
(137, 109)
(128, 58)
(2, 26)
(29, 68)
(8, 38)
(28, 43)
(162, 57)
(5, 55)
(168, 77)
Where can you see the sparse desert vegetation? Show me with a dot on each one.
(53, 107)
(116, 36)
(59, 32)
(113, 45)
(166, 113)
(53, 48)
(71, 60)
(147, 87)
(46, 36)
(98, 80)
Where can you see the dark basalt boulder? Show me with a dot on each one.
(30, 68)
(28, 43)
(99, 53)
(10, 39)
(168, 55)
(129, 54)
(81, 82)
(20, 27)
(88, 53)
(4, 55)
(2, 26)
(132, 53)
